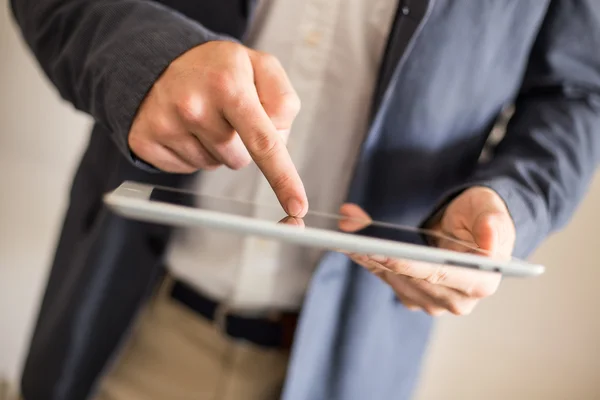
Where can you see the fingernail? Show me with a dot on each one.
(295, 208)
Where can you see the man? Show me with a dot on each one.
(398, 100)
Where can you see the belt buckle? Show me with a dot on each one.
(220, 319)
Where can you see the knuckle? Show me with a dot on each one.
(447, 301)
(194, 156)
(237, 101)
(438, 276)
(223, 82)
(280, 182)
(237, 52)
(268, 60)
(242, 163)
(191, 109)
(287, 106)
(234, 156)
(263, 146)
(162, 126)
(239, 161)
(401, 267)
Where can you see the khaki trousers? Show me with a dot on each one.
(176, 354)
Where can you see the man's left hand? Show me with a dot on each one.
(477, 216)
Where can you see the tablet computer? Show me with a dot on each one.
(188, 209)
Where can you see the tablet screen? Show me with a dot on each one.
(350, 220)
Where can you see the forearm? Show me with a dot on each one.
(546, 162)
(551, 148)
(104, 55)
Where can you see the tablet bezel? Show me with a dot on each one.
(132, 200)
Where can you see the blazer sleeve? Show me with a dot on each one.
(104, 55)
(547, 158)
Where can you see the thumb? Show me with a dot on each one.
(489, 231)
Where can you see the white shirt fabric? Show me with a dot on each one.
(331, 51)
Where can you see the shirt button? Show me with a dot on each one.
(405, 10)
(313, 38)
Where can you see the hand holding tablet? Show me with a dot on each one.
(480, 218)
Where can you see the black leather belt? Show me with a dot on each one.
(276, 332)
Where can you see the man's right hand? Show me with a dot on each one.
(222, 103)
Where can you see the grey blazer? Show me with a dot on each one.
(449, 70)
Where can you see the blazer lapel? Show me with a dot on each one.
(408, 18)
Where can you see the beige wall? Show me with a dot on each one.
(537, 339)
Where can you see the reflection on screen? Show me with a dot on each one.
(350, 221)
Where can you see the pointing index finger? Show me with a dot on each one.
(267, 149)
